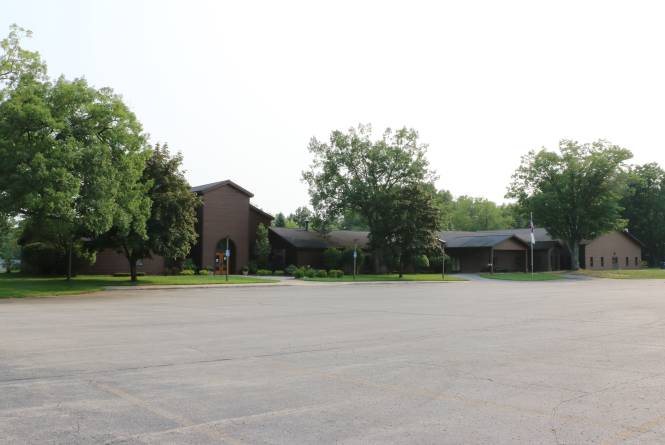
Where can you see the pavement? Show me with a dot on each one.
(482, 362)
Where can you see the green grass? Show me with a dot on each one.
(628, 274)
(522, 276)
(390, 277)
(16, 285)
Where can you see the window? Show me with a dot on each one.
(602, 261)
(637, 262)
(627, 262)
(590, 261)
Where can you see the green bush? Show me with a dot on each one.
(299, 273)
(126, 274)
(421, 263)
(335, 273)
(291, 269)
(310, 273)
(278, 272)
(253, 268)
(204, 272)
(264, 272)
(187, 272)
(321, 273)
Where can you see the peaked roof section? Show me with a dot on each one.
(310, 239)
(301, 238)
(259, 211)
(215, 185)
(468, 240)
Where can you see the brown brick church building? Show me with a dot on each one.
(226, 219)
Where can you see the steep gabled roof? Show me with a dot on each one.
(215, 185)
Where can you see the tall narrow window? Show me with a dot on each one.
(637, 262)
(602, 261)
(590, 261)
(627, 262)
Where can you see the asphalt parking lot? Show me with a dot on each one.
(411, 363)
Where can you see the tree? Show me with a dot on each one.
(332, 258)
(410, 224)
(9, 248)
(169, 227)
(280, 220)
(352, 172)
(17, 62)
(473, 214)
(302, 216)
(71, 155)
(574, 194)
(262, 246)
(644, 208)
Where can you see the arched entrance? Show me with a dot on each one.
(221, 262)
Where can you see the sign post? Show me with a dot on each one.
(443, 260)
(355, 255)
(227, 256)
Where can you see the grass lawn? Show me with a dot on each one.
(16, 285)
(391, 277)
(637, 274)
(522, 276)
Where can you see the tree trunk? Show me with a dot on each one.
(575, 255)
(132, 269)
(69, 261)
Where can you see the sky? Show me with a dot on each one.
(240, 87)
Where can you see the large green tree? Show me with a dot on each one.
(70, 155)
(9, 248)
(575, 193)
(169, 226)
(644, 208)
(468, 213)
(409, 226)
(262, 246)
(352, 172)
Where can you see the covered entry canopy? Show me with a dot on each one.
(478, 252)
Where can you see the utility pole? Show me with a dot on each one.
(443, 260)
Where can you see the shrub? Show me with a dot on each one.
(278, 272)
(335, 273)
(322, 273)
(291, 269)
(264, 272)
(310, 273)
(421, 263)
(253, 268)
(204, 272)
(127, 274)
(332, 258)
(299, 273)
(245, 269)
(187, 272)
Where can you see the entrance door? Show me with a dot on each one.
(220, 264)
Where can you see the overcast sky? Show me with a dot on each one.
(240, 87)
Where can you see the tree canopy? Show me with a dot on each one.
(575, 193)
(372, 178)
(644, 208)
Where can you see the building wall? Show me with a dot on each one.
(611, 245)
(225, 213)
(109, 262)
(256, 218)
(471, 260)
(509, 260)
(510, 244)
(313, 258)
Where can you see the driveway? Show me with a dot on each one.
(566, 362)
